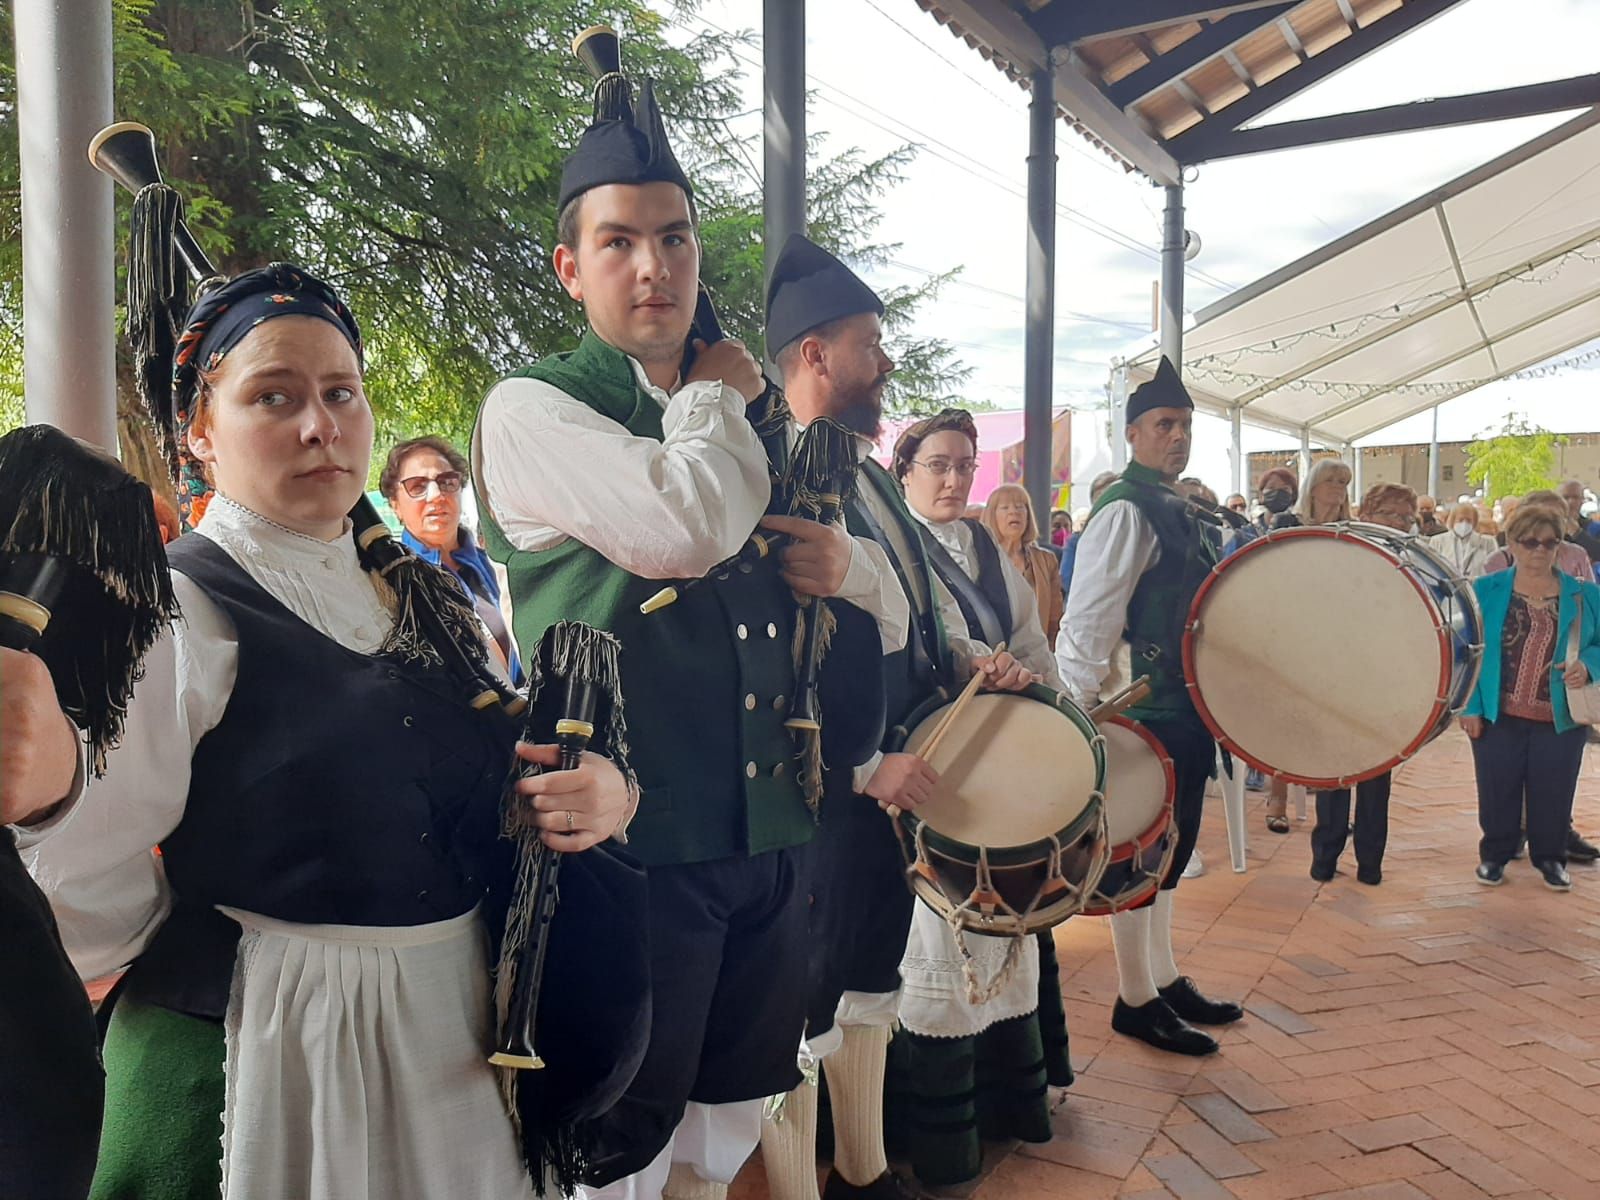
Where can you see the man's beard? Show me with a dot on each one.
(862, 412)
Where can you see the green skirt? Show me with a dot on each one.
(162, 1137)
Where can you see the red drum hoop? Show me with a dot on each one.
(1133, 875)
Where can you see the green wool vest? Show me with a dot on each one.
(706, 681)
(1160, 604)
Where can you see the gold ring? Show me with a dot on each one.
(569, 820)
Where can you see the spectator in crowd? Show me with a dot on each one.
(1101, 482)
(1009, 517)
(1428, 517)
(1507, 506)
(1278, 489)
(974, 512)
(1570, 559)
(1461, 545)
(1237, 503)
(1525, 745)
(1326, 499)
(1060, 526)
(422, 481)
(1572, 495)
(1395, 506)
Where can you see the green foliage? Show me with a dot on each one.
(409, 151)
(1519, 459)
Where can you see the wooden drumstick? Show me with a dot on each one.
(932, 744)
(1121, 701)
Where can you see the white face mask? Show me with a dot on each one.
(1463, 529)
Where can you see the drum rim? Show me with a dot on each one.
(1122, 852)
(1344, 531)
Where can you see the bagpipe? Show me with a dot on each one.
(83, 586)
(435, 621)
(814, 480)
(568, 1054)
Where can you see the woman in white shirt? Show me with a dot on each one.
(310, 991)
(1015, 1042)
(1461, 545)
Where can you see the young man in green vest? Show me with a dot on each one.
(604, 473)
(823, 328)
(1140, 560)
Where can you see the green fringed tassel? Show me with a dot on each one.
(63, 499)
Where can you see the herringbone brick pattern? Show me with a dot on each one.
(1427, 1038)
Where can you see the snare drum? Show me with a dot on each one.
(1140, 788)
(1013, 839)
(1327, 655)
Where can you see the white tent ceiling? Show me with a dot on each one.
(1486, 276)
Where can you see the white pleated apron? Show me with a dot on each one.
(933, 986)
(356, 1066)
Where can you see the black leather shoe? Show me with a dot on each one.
(1371, 876)
(1579, 850)
(1490, 874)
(887, 1186)
(1186, 1000)
(1555, 875)
(1322, 872)
(1155, 1024)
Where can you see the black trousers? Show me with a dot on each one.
(51, 1084)
(728, 974)
(1194, 762)
(1526, 762)
(1372, 823)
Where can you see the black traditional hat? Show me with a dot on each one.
(627, 142)
(810, 287)
(1164, 390)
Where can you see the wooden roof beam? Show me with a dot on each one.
(1068, 21)
(1215, 40)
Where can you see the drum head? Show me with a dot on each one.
(1317, 655)
(1139, 781)
(1012, 770)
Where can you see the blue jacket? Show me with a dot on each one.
(1494, 596)
(474, 572)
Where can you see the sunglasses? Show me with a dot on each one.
(417, 486)
(1538, 543)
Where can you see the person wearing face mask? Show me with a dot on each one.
(1428, 517)
(1278, 490)
(1461, 545)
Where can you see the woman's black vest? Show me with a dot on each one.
(983, 601)
(338, 788)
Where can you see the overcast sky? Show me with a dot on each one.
(882, 73)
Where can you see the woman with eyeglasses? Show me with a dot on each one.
(422, 481)
(1541, 636)
(1016, 1042)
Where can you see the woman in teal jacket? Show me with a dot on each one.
(1524, 743)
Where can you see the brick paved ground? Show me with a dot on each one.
(1428, 1038)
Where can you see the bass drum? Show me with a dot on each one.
(1140, 789)
(1327, 655)
(1013, 840)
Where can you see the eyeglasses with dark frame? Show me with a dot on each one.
(417, 486)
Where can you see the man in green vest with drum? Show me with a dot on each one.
(1140, 560)
(604, 473)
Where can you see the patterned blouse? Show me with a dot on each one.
(1526, 650)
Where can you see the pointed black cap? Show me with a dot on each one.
(1164, 390)
(625, 144)
(810, 287)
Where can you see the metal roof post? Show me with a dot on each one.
(1119, 409)
(1236, 449)
(1172, 246)
(68, 257)
(1433, 456)
(1305, 454)
(783, 131)
(1039, 332)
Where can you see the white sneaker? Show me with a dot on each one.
(1195, 868)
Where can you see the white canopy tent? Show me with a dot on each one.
(1491, 274)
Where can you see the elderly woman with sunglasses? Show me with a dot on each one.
(422, 481)
(1542, 635)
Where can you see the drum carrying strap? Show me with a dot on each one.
(983, 622)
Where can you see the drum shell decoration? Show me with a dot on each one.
(1138, 861)
(1328, 655)
(1036, 755)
